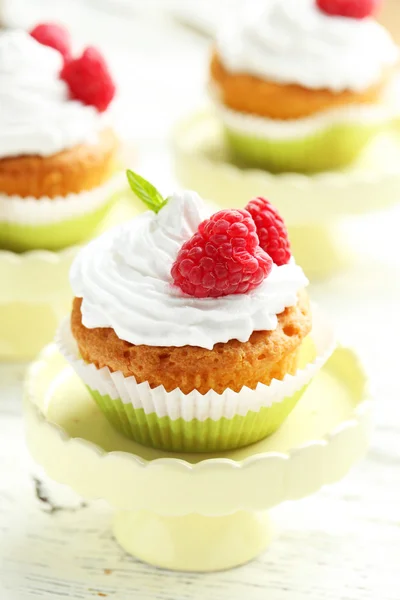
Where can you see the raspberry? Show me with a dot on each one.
(89, 79)
(55, 36)
(356, 9)
(222, 258)
(271, 230)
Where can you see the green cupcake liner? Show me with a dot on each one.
(195, 436)
(53, 236)
(329, 149)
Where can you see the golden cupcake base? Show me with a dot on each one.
(72, 171)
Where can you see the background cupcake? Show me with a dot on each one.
(189, 331)
(302, 85)
(58, 154)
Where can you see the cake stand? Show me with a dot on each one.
(35, 292)
(314, 206)
(196, 512)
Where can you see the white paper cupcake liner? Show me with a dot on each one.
(280, 130)
(44, 210)
(195, 406)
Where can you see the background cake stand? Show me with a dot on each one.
(35, 292)
(196, 512)
(314, 207)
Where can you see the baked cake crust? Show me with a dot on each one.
(249, 94)
(71, 171)
(267, 355)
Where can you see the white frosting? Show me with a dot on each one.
(293, 42)
(124, 278)
(36, 115)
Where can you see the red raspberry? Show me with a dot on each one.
(222, 258)
(89, 79)
(55, 36)
(271, 230)
(355, 9)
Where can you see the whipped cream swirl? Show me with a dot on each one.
(36, 114)
(124, 278)
(293, 42)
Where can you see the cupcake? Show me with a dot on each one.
(191, 331)
(58, 154)
(303, 85)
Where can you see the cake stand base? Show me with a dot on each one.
(193, 542)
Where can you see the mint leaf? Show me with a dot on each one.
(145, 191)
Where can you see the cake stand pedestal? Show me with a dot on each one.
(196, 512)
(193, 542)
(313, 206)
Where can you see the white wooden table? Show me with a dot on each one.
(343, 543)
